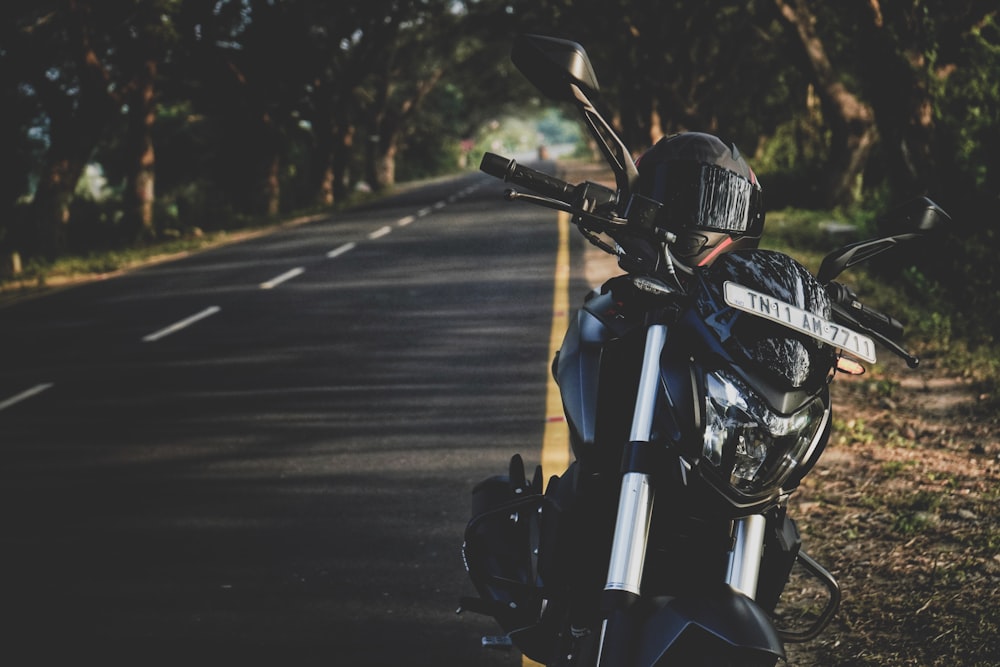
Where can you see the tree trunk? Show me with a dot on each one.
(383, 145)
(50, 207)
(269, 168)
(324, 194)
(141, 156)
(272, 185)
(74, 132)
(640, 120)
(388, 122)
(331, 159)
(75, 124)
(373, 156)
(385, 164)
(343, 151)
(903, 103)
(851, 121)
(321, 166)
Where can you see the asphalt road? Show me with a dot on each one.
(262, 454)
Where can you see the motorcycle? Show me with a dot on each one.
(696, 398)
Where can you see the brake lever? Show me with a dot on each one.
(845, 317)
(612, 223)
(510, 194)
(589, 222)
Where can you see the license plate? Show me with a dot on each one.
(797, 319)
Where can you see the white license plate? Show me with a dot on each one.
(797, 319)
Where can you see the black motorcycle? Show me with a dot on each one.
(701, 386)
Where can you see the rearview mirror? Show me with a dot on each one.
(561, 70)
(915, 216)
(913, 220)
(554, 65)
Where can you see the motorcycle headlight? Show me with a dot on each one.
(751, 445)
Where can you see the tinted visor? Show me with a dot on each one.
(703, 196)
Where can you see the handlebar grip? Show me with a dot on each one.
(877, 321)
(496, 165)
(512, 172)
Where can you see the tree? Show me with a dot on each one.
(419, 39)
(270, 104)
(143, 42)
(82, 63)
(851, 120)
(52, 51)
(21, 143)
(910, 50)
(714, 65)
(347, 43)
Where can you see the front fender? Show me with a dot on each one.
(723, 613)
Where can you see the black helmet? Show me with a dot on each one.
(710, 195)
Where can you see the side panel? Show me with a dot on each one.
(593, 366)
(577, 373)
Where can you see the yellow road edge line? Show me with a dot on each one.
(555, 442)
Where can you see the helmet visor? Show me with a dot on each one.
(708, 197)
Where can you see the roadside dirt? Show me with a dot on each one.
(904, 510)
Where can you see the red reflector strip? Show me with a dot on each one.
(718, 249)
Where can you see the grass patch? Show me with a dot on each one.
(39, 274)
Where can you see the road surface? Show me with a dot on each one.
(262, 454)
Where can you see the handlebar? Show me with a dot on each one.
(510, 171)
(590, 204)
(593, 207)
(870, 318)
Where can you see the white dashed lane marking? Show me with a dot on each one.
(25, 395)
(286, 276)
(177, 326)
(270, 284)
(337, 252)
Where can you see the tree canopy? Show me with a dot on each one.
(202, 114)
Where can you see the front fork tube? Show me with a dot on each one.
(744, 559)
(635, 503)
(635, 508)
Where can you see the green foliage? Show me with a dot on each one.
(260, 105)
(526, 130)
(555, 129)
(917, 511)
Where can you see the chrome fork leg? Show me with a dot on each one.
(635, 507)
(744, 559)
(628, 550)
(635, 502)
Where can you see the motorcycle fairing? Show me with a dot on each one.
(595, 367)
(786, 358)
(783, 367)
(786, 368)
(723, 613)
